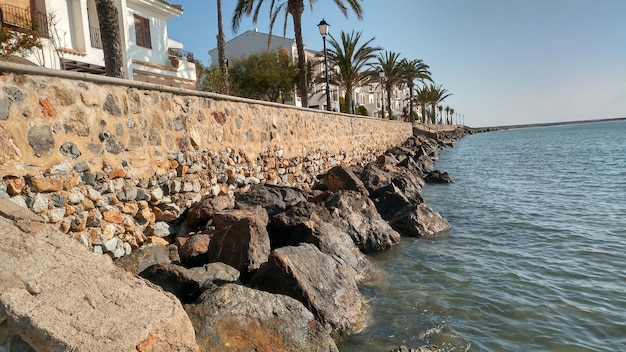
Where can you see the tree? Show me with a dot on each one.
(266, 76)
(448, 115)
(390, 64)
(422, 99)
(221, 45)
(111, 38)
(452, 115)
(413, 70)
(440, 108)
(351, 58)
(210, 79)
(436, 95)
(295, 8)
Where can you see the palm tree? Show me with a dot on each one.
(389, 62)
(422, 99)
(295, 8)
(414, 70)
(440, 108)
(436, 95)
(452, 114)
(351, 58)
(111, 38)
(221, 44)
(448, 115)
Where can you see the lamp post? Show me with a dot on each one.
(323, 26)
(381, 75)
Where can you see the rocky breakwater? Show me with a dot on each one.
(278, 268)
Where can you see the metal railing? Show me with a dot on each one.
(24, 20)
(94, 36)
(181, 54)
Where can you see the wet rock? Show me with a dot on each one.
(419, 221)
(437, 176)
(316, 280)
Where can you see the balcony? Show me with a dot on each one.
(24, 20)
(180, 54)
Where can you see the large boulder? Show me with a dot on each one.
(241, 239)
(57, 296)
(145, 256)
(237, 318)
(437, 176)
(342, 178)
(316, 280)
(356, 215)
(194, 249)
(273, 199)
(282, 225)
(419, 220)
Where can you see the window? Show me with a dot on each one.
(142, 32)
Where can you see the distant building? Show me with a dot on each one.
(70, 34)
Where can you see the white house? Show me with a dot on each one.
(71, 38)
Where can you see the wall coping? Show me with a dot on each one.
(88, 77)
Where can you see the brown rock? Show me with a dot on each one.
(194, 250)
(113, 216)
(47, 108)
(236, 318)
(341, 178)
(47, 184)
(157, 240)
(117, 173)
(15, 185)
(182, 170)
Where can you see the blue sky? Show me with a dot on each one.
(505, 61)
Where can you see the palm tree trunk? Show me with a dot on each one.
(111, 38)
(348, 99)
(411, 103)
(388, 86)
(296, 8)
(221, 46)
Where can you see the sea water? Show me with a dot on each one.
(535, 259)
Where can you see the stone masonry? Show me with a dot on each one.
(114, 163)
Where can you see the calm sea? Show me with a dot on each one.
(535, 259)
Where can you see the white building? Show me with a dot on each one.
(71, 38)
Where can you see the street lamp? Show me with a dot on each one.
(323, 26)
(381, 75)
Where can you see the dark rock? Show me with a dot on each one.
(111, 106)
(273, 199)
(219, 273)
(282, 225)
(154, 138)
(186, 284)
(428, 348)
(5, 105)
(390, 199)
(342, 178)
(316, 280)
(419, 221)
(437, 176)
(82, 166)
(241, 239)
(143, 257)
(41, 140)
(114, 147)
(70, 150)
(237, 318)
(356, 215)
(15, 94)
(334, 242)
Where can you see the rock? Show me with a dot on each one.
(194, 250)
(219, 272)
(273, 199)
(283, 225)
(419, 220)
(15, 185)
(429, 348)
(47, 184)
(39, 203)
(143, 257)
(186, 284)
(159, 229)
(237, 318)
(166, 212)
(342, 178)
(241, 239)
(113, 216)
(88, 300)
(356, 215)
(41, 140)
(437, 176)
(70, 150)
(316, 280)
(334, 242)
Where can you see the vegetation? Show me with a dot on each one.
(221, 47)
(389, 62)
(413, 70)
(362, 110)
(351, 58)
(17, 43)
(111, 38)
(295, 8)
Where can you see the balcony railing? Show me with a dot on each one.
(181, 54)
(24, 20)
(94, 36)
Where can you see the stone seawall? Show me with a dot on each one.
(113, 161)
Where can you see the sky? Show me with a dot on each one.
(506, 62)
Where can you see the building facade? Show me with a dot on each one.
(70, 37)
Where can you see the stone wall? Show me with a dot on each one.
(113, 161)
